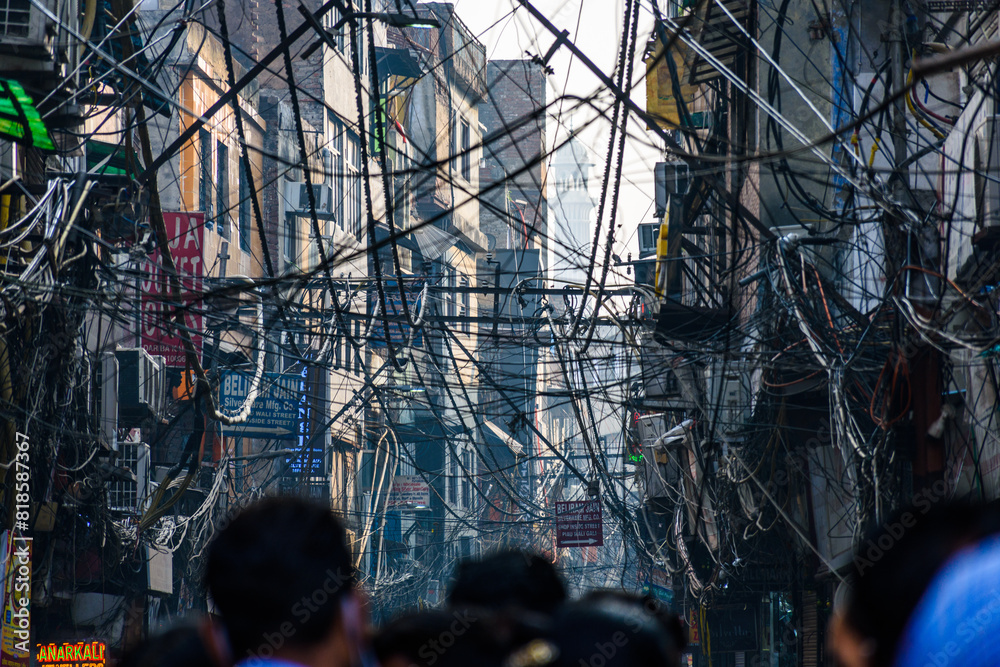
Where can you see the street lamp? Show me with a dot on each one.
(390, 19)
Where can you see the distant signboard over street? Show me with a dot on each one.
(409, 491)
(579, 524)
(275, 412)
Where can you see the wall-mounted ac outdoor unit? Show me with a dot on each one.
(669, 178)
(297, 196)
(649, 232)
(106, 403)
(728, 396)
(24, 29)
(126, 495)
(141, 386)
(987, 173)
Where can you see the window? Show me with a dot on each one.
(450, 284)
(466, 147)
(337, 358)
(244, 211)
(347, 187)
(366, 471)
(205, 174)
(401, 193)
(358, 361)
(467, 479)
(327, 169)
(355, 184)
(452, 472)
(314, 244)
(330, 19)
(361, 56)
(465, 300)
(347, 346)
(337, 171)
(291, 242)
(222, 189)
(339, 174)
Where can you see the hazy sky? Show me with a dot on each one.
(595, 26)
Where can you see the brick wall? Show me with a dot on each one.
(513, 115)
(253, 29)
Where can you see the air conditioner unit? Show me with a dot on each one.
(106, 403)
(728, 395)
(987, 172)
(649, 233)
(669, 178)
(141, 386)
(127, 495)
(297, 197)
(159, 388)
(323, 195)
(25, 30)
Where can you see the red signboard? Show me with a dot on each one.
(579, 524)
(186, 233)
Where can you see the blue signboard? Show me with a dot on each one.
(275, 412)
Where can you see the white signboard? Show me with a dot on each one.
(409, 491)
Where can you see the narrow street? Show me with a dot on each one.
(690, 301)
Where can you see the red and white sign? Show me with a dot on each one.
(409, 491)
(186, 233)
(579, 523)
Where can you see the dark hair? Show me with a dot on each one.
(508, 579)
(622, 630)
(177, 647)
(456, 638)
(897, 562)
(670, 623)
(277, 573)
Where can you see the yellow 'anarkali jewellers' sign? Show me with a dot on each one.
(80, 654)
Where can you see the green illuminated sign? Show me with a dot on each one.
(19, 119)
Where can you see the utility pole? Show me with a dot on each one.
(893, 228)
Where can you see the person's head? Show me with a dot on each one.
(670, 623)
(508, 579)
(466, 636)
(892, 569)
(621, 630)
(281, 577)
(184, 646)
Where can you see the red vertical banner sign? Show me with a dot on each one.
(186, 236)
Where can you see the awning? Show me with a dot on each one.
(402, 240)
(397, 62)
(108, 158)
(678, 321)
(504, 437)
(432, 241)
